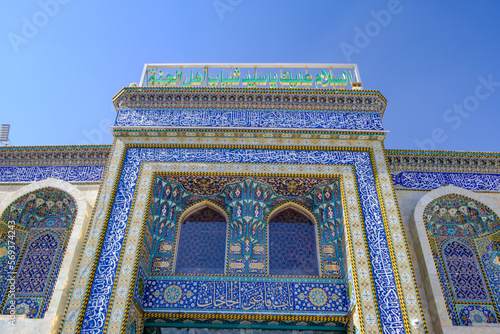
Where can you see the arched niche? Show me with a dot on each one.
(201, 242)
(285, 222)
(69, 260)
(201, 205)
(430, 242)
(294, 206)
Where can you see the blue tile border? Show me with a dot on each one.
(23, 174)
(249, 118)
(417, 180)
(390, 313)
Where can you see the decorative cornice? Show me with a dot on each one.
(445, 161)
(234, 98)
(311, 134)
(398, 160)
(240, 320)
(54, 156)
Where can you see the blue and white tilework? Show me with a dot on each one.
(247, 296)
(388, 302)
(491, 264)
(24, 174)
(249, 118)
(476, 314)
(432, 180)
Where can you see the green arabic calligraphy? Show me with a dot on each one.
(324, 79)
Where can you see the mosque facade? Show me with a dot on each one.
(242, 198)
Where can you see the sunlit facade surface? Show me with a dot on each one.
(242, 198)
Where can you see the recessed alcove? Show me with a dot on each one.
(239, 245)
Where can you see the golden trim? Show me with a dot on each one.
(90, 281)
(353, 257)
(337, 132)
(254, 147)
(360, 149)
(390, 246)
(468, 154)
(49, 147)
(344, 204)
(279, 147)
(242, 316)
(120, 259)
(135, 268)
(368, 259)
(307, 91)
(84, 244)
(409, 257)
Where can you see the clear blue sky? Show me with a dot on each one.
(426, 58)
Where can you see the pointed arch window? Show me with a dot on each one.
(202, 243)
(37, 264)
(464, 272)
(48, 215)
(292, 244)
(455, 226)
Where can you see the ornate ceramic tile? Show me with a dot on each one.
(385, 285)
